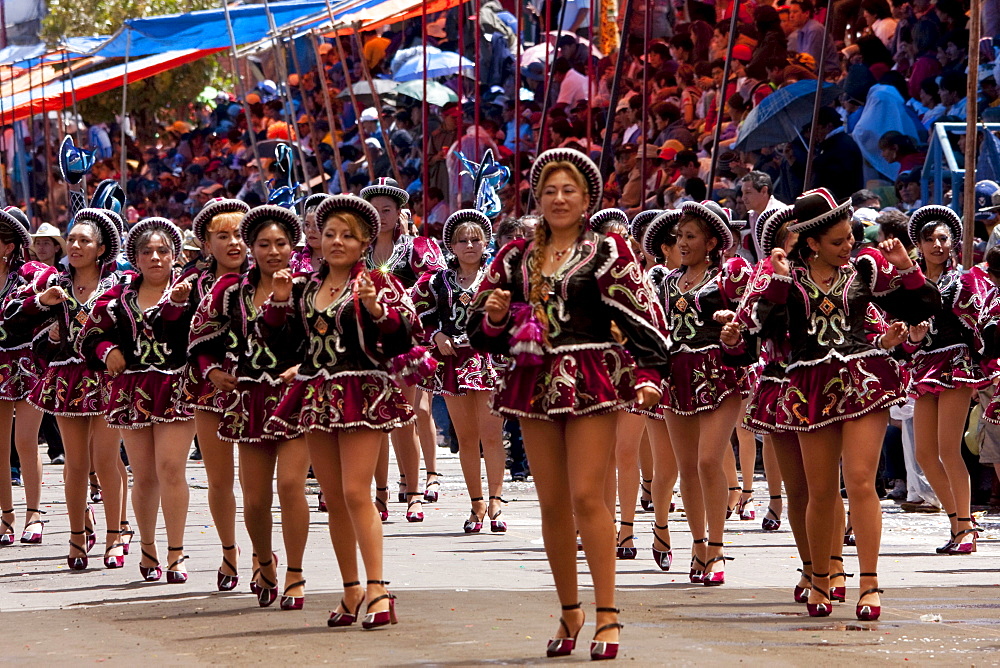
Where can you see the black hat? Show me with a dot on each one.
(153, 223)
(934, 213)
(591, 174)
(386, 187)
(354, 204)
(465, 216)
(641, 221)
(269, 213)
(110, 236)
(14, 225)
(74, 163)
(652, 239)
(312, 202)
(770, 223)
(214, 207)
(605, 216)
(716, 217)
(817, 208)
(109, 195)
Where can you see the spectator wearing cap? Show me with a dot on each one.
(988, 210)
(569, 47)
(989, 95)
(838, 164)
(808, 36)
(572, 85)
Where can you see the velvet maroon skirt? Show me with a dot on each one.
(71, 390)
(934, 371)
(699, 381)
(254, 402)
(466, 371)
(587, 381)
(146, 398)
(341, 401)
(201, 395)
(838, 389)
(761, 416)
(18, 374)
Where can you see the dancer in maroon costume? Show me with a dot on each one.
(224, 335)
(353, 322)
(550, 304)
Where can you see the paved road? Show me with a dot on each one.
(488, 599)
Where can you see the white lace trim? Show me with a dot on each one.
(833, 355)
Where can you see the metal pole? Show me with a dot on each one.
(460, 129)
(517, 110)
(479, 78)
(241, 90)
(721, 107)
(647, 31)
(123, 169)
(4, 148)
(309, 109)
(590, 78)
(425, 168)
(386, 144)
(972, 104)
(331, 119)
(615, 83)
(818, 102)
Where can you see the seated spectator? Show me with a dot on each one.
(908, 192)
(952, 91)
(899, 148)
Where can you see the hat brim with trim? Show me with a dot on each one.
(842, 210)
(657, 230)
(111, 237)
(353, 203)
(776, 219)
(465, 216)
(641, 220)
(49, 231)
(400, 196)
(15, 226)
(270, 213)
(586, 166)
(605, 216)
(215, 207)
(714, 219)
(931, 213)
(154, 223)
(313, 201)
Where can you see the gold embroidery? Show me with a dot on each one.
(682, 304)
(827, 306)
(321, 326)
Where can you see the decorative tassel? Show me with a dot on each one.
(414, 366)
(527, 336)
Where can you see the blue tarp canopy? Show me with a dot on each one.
(36, 54)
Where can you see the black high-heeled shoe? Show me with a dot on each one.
(293, 602)
(497, 525)
(77, 563)
(849, 539)
(373, 620)
(646, 503)
(476, 525)
(431, 495)
(380, 504)
(149, 573)
(177, 577)
(402, 488)
(772, 520)
(601, 650)
(127, 535)
(88, 527)
(7, 537)
(696, 574)
(839, 594)
(729, 511)
(801, 594)
(951, 538)
(957, 546)
(622, 552)
(267, 594)
(224, 582)
(820, 609)
(663, 558)
(564, 646)
(95, 489)
(345, 618)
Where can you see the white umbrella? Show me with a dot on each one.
(441, 64)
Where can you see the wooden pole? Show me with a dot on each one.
(478, 87)
(818, 102)
(386, 144)
(123, 169)
(647, 31)
(338, 164)
(517, 109)
(311, 112)
(350, 91)
(615, 85)
(971, 138)
(240, 90)
(721, 107)
(425, 168)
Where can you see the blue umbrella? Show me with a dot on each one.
(780, 116)
(443, 64)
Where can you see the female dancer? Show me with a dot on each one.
(704, 387)
(406, 257)
(60, 301)
(352, 322)
(310, 257)
(18, 375)
(217, 229)
(840, 384)
(464, 376)
(145, 359)
(550, 303)
(224, 335)
(943, 373)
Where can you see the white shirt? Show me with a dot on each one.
(573, 88)
(571, 9)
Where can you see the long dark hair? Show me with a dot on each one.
(801, 251)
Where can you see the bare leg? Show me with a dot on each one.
(772, 472)
(29, 419)
(629, 433)
(257, 463)
(788, 458)
(715, 428)
(172, 445)
(665, 468)
(748, 462)
(6, 489)
(218, 458)
(646, 469)
(146, 489)
(427, 434)
(293, 466)
(464, 416)
(684, 436)
(104, 449)
(404, 440)
(76, 474)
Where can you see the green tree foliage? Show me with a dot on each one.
(165, 97)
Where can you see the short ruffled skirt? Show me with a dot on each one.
(71, 390)
(341, 401)
(761, 415)
(200, 394)
(934, 371)
(18, 374)
(146, 398)
(699, 381)
(254, 402)
(466, 371)
(838, 389)
(587, 381)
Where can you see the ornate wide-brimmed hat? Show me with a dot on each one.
(15, 226)
(816, 208)
(934, 213)
(212, 209)
(74, 163)
(386, 187)
(362, 207)
(109, 195)
(312, 202)
(657, 230)
(465, 216)
(637, 228)
(158, 224)
(770, 223)
(716, 217)
(591, 174)
(110, 236)
(270, 213)
(606, 216)
(49, 231)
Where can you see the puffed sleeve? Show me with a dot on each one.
(392, 331)
(208, 338)
(424, 296)
(905, 295)
(100, 334)
(632, 307)
(736, 275)
(426, 256)
(483, 335)
(968, 304)
(756, 313)
(282, 319)
(23, 309)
